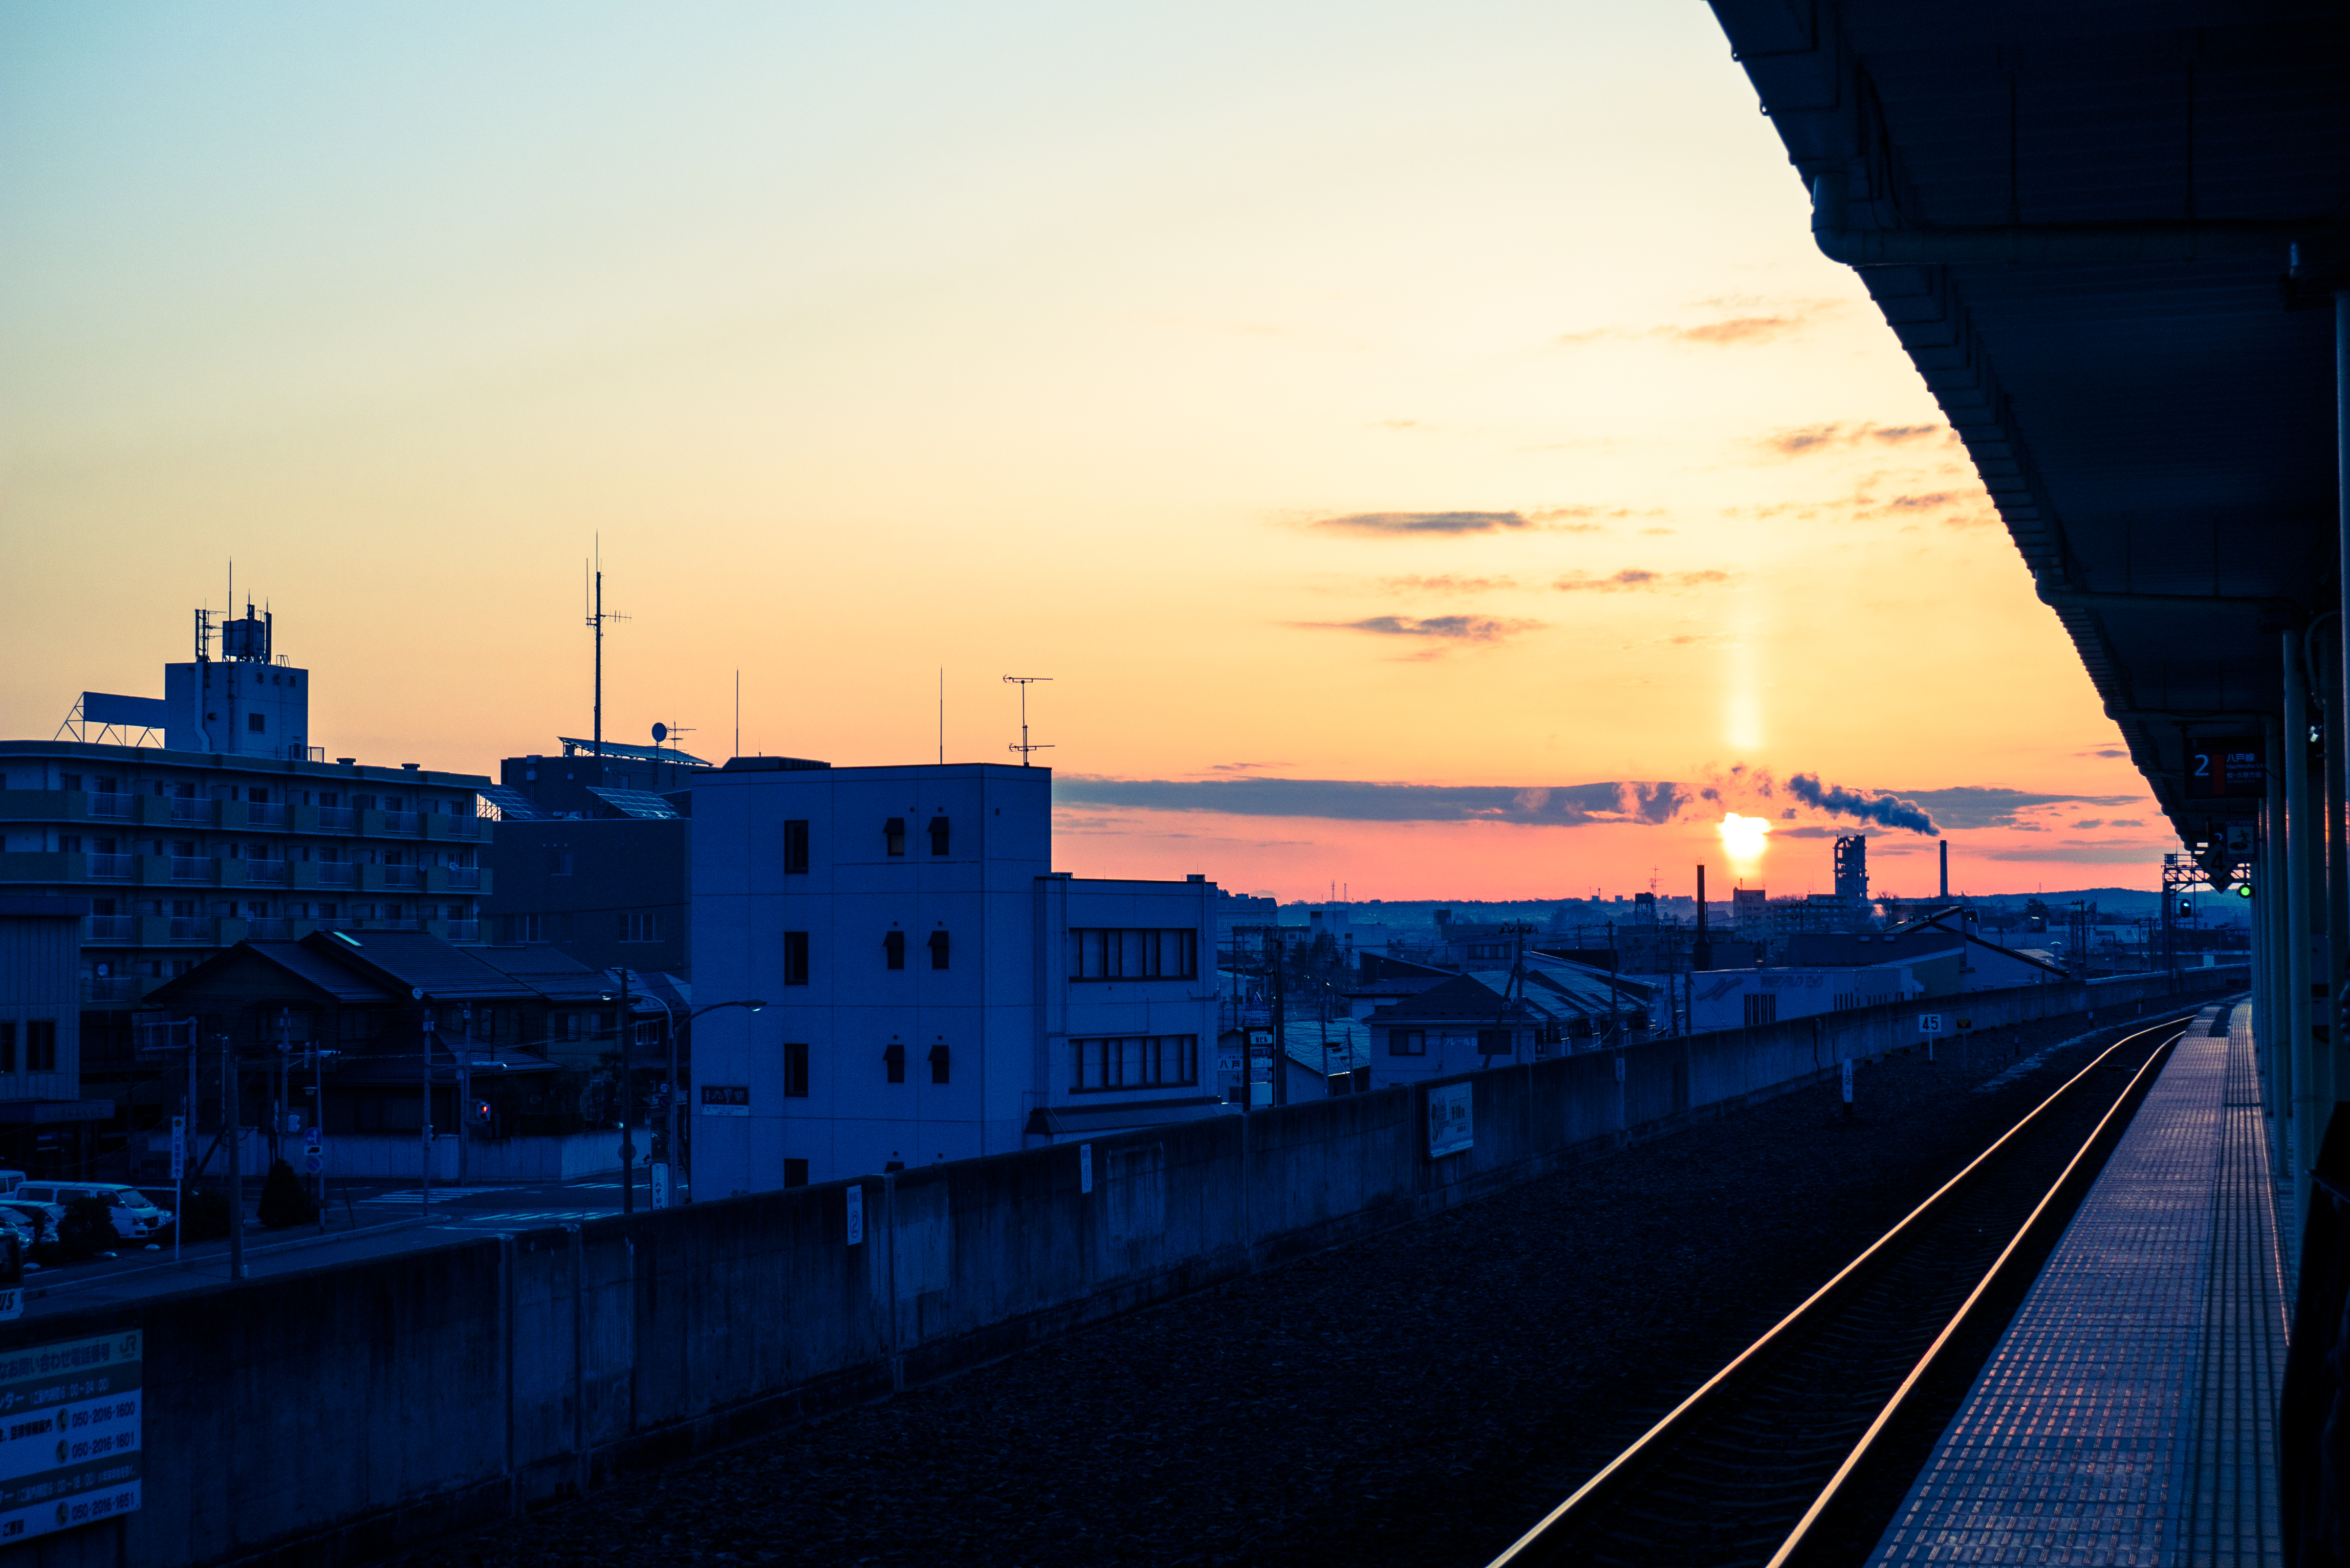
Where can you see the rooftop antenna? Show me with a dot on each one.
(738, 715)
(670, 732)
(597, 616)
(1023, 748)
(942, 715)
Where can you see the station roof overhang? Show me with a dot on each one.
(2080, 220)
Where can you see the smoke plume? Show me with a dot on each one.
(1887, 810)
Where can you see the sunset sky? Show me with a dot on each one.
(1328, 398)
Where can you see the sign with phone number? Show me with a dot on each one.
(70, 1447)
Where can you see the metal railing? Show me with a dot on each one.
(338, 818)
(399, 822)
(400, 876)
(112, 928)
(114, 988)
(465, 828)
(465, 876)
(269, 930)
(119, 867)
(193, 867)
(338, 873)
(187, 809)
(185, 930)
(265, 815)
(462, 930)
(110, 805)
(267, 871)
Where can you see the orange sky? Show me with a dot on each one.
(1371, 396)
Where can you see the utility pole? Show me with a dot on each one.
(427, 1189)
(1280, 1026)
(465, 1096)
(229, 1120)
(627, 1106)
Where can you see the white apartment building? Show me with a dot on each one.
(934, 989)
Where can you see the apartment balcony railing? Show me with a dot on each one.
(337, 873)
(113, 929)
(111, 805)
(269, 931)
(185, 930)
(268, 871)
(265, 815)
(465, 876)
(399, 822)
(400, 876)
(114, 988)
(462, 931)
(192, 869)
(120, 866)
(338, 818)
(184, 810)
(465, 828)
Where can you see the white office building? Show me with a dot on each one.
(934, 989)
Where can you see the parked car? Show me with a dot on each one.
(135, 1218)
(42, 1218)
(10, 1180)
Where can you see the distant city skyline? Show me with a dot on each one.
(1359, 403)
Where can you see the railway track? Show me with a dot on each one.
(1795, 1452)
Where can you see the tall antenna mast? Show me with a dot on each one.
(1023, 748)
(942, 716)
(596, 616)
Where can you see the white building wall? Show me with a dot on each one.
(1717, 997)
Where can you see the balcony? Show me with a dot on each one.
(460, 930)
(111, 805)
(267, 872)
(118, 988)
(185, 930)
(193, 868)
(263, 930)
(464, 877)
(463, 827)
(117, 867)
(112, 928)
(339, 819)
(399, 822)
(401, 876)
(265, 815)
(337, 873)
(192, 811)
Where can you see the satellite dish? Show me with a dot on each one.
(660, 733)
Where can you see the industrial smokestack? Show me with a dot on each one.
(1946, 869)
(1701, 954)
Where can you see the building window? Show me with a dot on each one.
(795, 1173)
(1134, 1062)
(524, 928)
(795, 1070)
(893, 949)
(893, 835)
(641, 925)
(938, 836)
(559, 863)
(795, 846)
(893, 1058)
(939, 1062)
(40, 1046)
(795, 958)
(1763, 1009)
(938, 949)
(1407, 1042)
(255, 722)
(8, 1045)
(1099, 953)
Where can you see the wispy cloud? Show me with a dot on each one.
(1802, 441)
(1445, 584)
(1993, 805)
(1352, 800)
(1442, 627)
(1633, 580)
(1389, 525)
(1748, 329)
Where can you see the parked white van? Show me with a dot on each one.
(135, 1218)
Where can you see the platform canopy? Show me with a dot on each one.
(2108, 236)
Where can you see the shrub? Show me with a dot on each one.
(88, 1227)
(204, 1216)
(284, 1199)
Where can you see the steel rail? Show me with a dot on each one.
(1522, 1551)
(2126, 1102)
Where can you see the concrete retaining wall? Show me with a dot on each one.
(339, 1416)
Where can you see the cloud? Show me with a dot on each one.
(1632, 579)
(1376, 524)
(1937, 500)
(1242, 767)
(1446, 584)
(2147, 855)
(1352, 800)
(1802, 441)
(1737, 329)
(1864, 806)
(1981, 805)
(1443, 628)
(2089, 822)
(1726, 332)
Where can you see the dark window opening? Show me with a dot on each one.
(40, 1046)
(894, 1059)
(938, 836)
(893, 948)
(938, 949)
(1100, 953)
(1407, 1042)
(795, 1173)
(795, 846)
(559, 863)
(8, 1045)
(1137, 1062)
(939, 1062)
(795, 958)
(255, 722)
(893, 835)
(795, 1070)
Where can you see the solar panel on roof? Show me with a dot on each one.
(635, 802)
(512, 804)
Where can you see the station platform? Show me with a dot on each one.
(2128, 1415)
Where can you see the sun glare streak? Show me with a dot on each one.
(1744, 838)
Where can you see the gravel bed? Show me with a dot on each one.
(1422, 1395)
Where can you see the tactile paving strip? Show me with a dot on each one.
(2125, 1418)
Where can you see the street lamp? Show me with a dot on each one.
(628, 1148)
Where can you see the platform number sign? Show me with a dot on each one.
(70, 1440)
(2226, 767)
